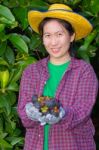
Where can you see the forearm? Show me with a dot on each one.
(84, 100)
(74, 118)
(80, 112)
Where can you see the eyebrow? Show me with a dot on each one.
(55, 32)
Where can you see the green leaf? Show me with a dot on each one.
(18, 42)
(22, 2)
(9, 127)
(17, 74)
(94, 6)
(11, 74)
(4, 103)
(5, 12)
(3, 37)
(26, 62)
(75, 2)
(3, 62)
(25, 38)
(39, 4)
(85, 57)
(21, 15)
(85, 4)
(5, 21)
(2, 27)
(10, 55)
(35, 41)
(90, 38)
(4, 144)
(2, 47)
(11, 3)
(14, 114)
(12, 97)
(15, 140)
(97, 40)
(56, 1)
(1, 123)
(3, 135)
(13, 86)
(87, 41)
(92, 51)
(17, 132)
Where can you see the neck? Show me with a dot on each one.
(59, 61)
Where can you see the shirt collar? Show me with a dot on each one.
(73, 64)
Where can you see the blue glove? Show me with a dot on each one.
(32, 112)
(51, 119)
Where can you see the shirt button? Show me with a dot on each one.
(39, 135)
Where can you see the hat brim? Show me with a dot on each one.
(80, 24)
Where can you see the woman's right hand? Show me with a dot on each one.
(32, 112)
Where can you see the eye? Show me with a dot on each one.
(60, 34)
(47, 35)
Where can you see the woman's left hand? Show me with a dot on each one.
(51, 119)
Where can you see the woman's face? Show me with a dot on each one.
(56, 40)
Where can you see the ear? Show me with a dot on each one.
(72, 37)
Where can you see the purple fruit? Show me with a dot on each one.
(50, 103)
(34, 98)
(37, 105)
(56, 114)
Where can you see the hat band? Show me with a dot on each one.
(61, 10)
(42, 10)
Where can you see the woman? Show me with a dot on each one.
(69, 80)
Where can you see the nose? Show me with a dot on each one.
(54, 41)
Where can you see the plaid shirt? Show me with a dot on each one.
(77, 92)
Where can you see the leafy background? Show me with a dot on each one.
(20, 46)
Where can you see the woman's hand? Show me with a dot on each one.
(51, 119)
(32, 112)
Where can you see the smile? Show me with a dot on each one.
(55, 50)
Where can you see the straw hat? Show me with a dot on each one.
(80, 24)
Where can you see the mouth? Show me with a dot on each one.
(55, 50)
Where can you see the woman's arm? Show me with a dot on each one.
(25, 96)
(84, 99)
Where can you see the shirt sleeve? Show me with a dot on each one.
(84, 99)
(25, 96)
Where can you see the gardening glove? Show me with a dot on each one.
(32, 112)
(42, 120)
(51, 119)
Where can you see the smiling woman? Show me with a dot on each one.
(57, 39)
(72, 83)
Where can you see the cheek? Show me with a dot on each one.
(67, 40)
(46, 42)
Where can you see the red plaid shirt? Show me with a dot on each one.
(77, 92)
